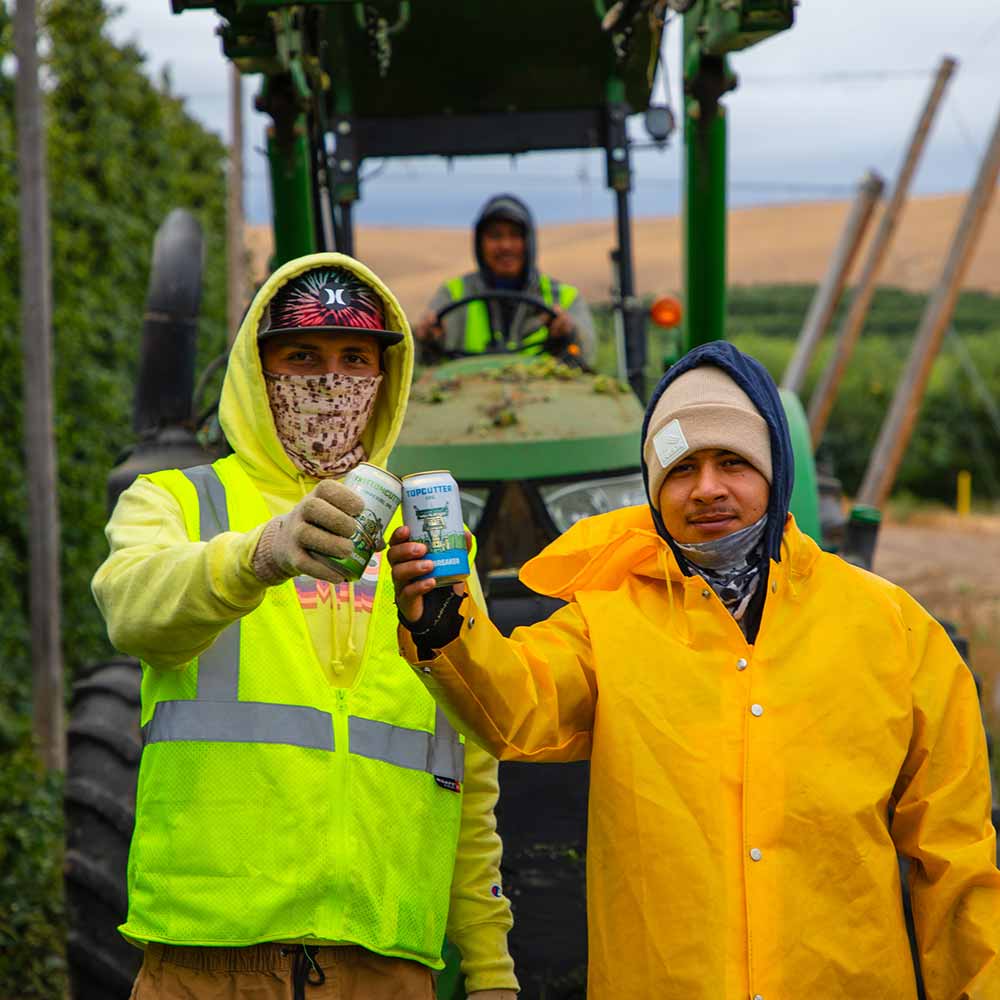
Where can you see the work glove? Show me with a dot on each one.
(321, 524)
(493, 995)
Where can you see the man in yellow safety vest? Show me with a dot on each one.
(504, 242)
(304, 813)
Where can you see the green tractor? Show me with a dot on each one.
(534, 443)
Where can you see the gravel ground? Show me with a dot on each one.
(952, 566)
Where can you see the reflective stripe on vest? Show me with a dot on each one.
(219, 665)
(478, 321)
(217, 714)
(440, 754)
(239, 722)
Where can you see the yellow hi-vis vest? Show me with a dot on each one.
(478, 323)
(274, 807)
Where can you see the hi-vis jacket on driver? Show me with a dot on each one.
(271, 805)
(747, 801)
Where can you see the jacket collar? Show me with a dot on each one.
(600, 553)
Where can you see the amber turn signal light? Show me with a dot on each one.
(666, 312)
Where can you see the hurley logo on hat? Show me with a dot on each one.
(326, 299)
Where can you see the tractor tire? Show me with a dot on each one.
(104, 750)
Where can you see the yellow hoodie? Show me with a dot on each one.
(165, 599)
(747, 801)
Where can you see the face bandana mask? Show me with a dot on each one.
(320, 418)
(730, 565)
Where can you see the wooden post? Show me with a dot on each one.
(828, 294)
(825, 392)
(236, 259)
(898, 424)
(39, 433)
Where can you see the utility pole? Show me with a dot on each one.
(236, 280)
(898, 425)
(39, 431)
(828, 294)
(825, 392)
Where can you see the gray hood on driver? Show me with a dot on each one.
(511, 208)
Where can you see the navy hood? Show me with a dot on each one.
(512, 209)
(753, 378)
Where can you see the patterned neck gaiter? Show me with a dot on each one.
(730, 565)
(320, 418)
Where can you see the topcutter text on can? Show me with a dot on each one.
(432, 510)
(381, 492)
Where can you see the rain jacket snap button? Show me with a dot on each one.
(472, 621)
(755, 854)
(427, 670)
(757, 996)
(741, 664)
(705, 593)
(757, 710)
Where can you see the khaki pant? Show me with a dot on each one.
(270, 972)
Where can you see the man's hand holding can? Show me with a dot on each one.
(410, 571)
(317, 529)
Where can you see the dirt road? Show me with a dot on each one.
(952, 566)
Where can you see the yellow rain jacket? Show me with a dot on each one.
(747, 802)
(165, 599)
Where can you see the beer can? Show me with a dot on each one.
(432, 510)
(381, 492)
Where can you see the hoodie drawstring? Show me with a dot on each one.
(673, 619)
(661, 559)
(352, 649)
(338, 653)
(337, 662)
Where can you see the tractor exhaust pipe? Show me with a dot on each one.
(165, 385)
(164, 394)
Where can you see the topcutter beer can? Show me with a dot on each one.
(432, 510)
(381, 492)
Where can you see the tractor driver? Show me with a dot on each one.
(504, 242)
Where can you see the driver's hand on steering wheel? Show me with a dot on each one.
(427, 328)
(562, 327)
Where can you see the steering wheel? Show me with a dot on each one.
(566, 349)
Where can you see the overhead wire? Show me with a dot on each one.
(988, 36)
(975, 378)
(980, 453)
(983, 455)
(964, 129)
(843, 76)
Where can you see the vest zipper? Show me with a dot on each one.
(342, 855)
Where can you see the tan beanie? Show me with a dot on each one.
(704, 408)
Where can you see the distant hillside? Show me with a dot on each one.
(778, 244)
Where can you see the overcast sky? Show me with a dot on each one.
(798, 128)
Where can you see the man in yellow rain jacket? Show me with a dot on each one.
(307, 822)
(767, 726)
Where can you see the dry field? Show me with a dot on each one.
(774, 244)
(951, 565)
